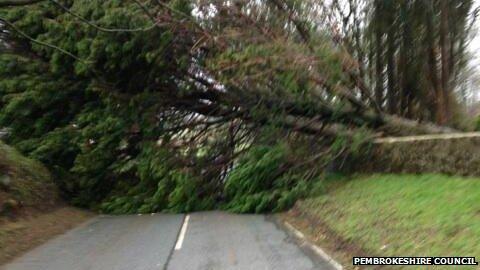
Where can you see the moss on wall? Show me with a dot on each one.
(454, 156)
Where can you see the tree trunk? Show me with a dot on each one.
(392, 83)
(435, 99)
(379, 68)
(445, 62)
(405, 64)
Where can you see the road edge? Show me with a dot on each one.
(304, 243)
(77, 218)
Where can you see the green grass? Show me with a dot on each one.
(404, 215)
(29, 182)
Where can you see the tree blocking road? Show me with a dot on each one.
(202, 241)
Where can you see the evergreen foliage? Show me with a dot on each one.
(161, 186)
(65, 112)
(261, 182)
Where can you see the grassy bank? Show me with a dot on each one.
(24, 182)
(31, 211)
(402, 215)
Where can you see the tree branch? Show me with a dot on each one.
(23, 34)
(13, 3)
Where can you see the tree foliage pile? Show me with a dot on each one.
(142, 106)
(265, 181)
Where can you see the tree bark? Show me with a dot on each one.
(12, 3)
(445, 62)
(436, 95)
(379, 68)
(392, 81)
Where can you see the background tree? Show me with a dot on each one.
(416, 52)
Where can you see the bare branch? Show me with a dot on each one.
(13, 3)
(20, 32)
(145, 10)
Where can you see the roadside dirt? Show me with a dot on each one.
(32, 228)
(316, 231)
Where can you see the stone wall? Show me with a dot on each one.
(455, 154)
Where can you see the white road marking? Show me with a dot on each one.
(295, 231)
(183, 231)
(313, 247)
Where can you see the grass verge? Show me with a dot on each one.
(24, 183)
(31, 211)
(396, 215)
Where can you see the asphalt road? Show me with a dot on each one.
(200, 241)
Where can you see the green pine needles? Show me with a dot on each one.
(261, 182)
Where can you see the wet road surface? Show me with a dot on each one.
(198, 241)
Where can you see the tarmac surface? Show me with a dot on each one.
(198, 241)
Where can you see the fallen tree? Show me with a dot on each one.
(142, 106)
